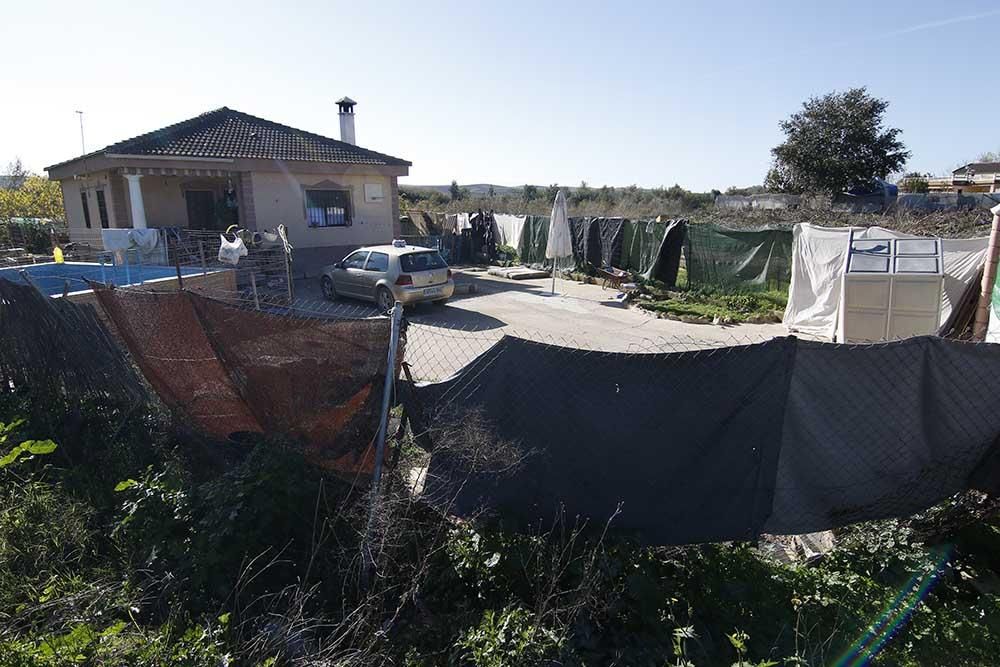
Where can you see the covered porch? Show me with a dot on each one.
(206, 199)
(202, 199)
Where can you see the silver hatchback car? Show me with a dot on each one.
(389, 273)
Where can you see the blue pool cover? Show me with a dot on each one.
(52, 278)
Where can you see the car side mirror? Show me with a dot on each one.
(339, 264)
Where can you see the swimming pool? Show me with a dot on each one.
(53, 278)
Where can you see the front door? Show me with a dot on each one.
(200, 209)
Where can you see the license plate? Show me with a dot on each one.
(433, 291)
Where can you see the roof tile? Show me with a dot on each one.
(227, 133)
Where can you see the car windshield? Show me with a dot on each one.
(422, 261)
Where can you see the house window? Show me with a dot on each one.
(86, 208)
(102, 209)
(328, 208)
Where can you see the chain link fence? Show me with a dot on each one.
(695, 440)
(680, 440)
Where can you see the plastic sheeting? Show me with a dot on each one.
(819, 254)
(231, 371)
(784, 437)
(758, 259)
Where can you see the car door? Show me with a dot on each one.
(348, 278)
(375, 270)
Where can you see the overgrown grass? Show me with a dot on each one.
(181, 554)
(706, 304)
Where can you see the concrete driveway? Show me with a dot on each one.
(443, 338)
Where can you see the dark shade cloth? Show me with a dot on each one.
(783, 437)
(604, 428)
(230, 371)
(748, 259)
(880, 431)
(597, 241)
(56, 345)
(641, 241)
(534, 238)
(667, 260)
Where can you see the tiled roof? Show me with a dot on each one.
(227, 133)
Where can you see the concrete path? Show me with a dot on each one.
(443, 338)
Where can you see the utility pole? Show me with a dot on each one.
(83, 146)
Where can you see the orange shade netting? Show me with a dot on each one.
(232, 371)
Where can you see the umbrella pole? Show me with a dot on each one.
(553, 276)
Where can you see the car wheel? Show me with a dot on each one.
(384, 299)
(329, 291)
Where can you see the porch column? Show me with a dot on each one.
(135, 198)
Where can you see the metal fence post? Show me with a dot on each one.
(383, 427)
(253, 285)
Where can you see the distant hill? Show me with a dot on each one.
(477, 189)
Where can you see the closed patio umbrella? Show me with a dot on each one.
(560, 243)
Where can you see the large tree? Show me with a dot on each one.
(835, 143)
(37, 197)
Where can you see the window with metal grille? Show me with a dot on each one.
(328, 208)
(102, 209)
(86, 208)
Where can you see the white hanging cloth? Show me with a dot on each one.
(144, 239)
(115, 239)
(510, 228)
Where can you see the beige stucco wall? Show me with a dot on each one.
(71, 189)
(163, 200)
(278, 199)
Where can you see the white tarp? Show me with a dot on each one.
(818, 257)
(510, 228)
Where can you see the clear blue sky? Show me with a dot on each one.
(651, 93)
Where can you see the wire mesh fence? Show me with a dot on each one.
(698, 440)
(680, 439)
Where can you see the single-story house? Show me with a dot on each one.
(225, 167)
